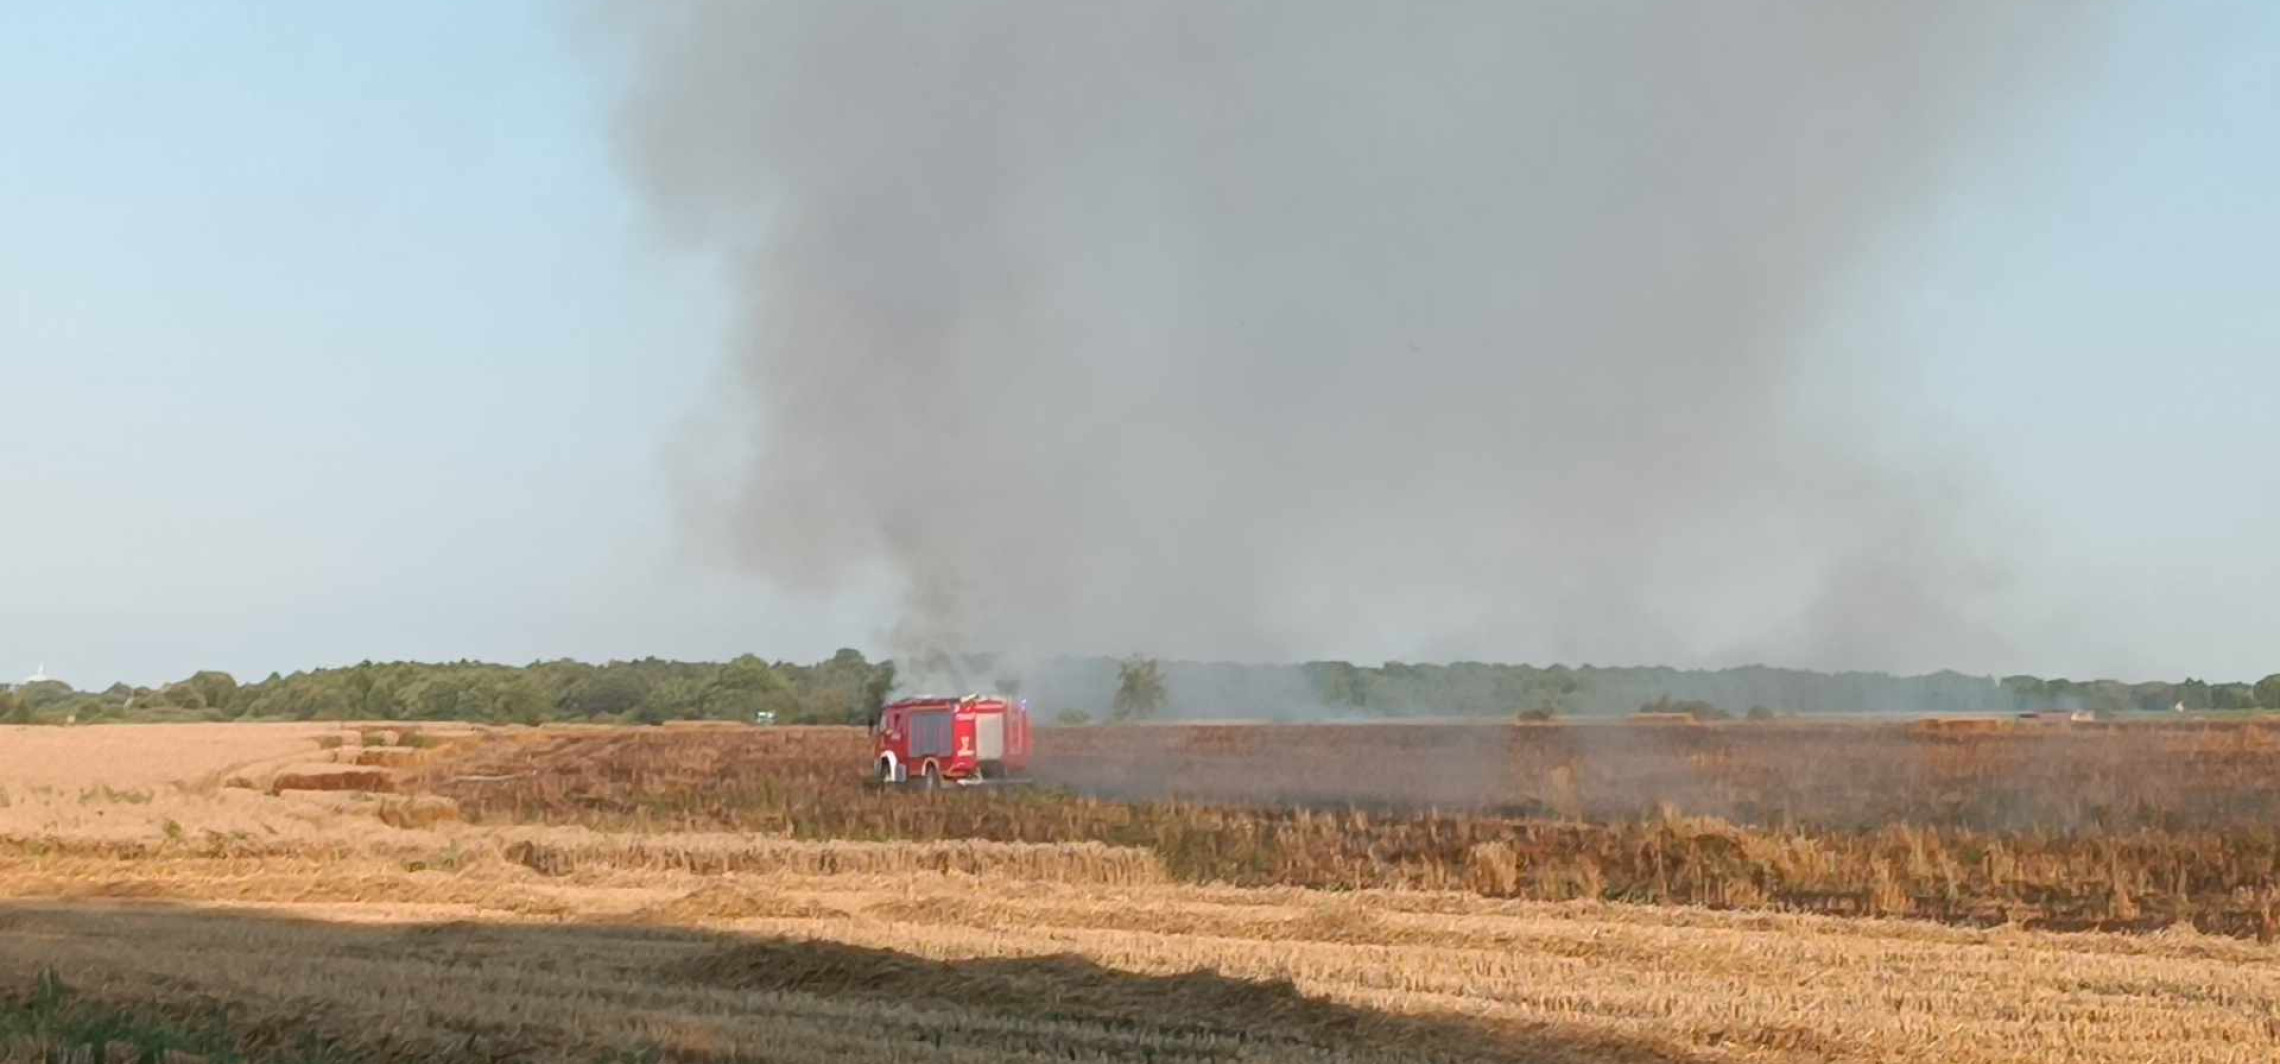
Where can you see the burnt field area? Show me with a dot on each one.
(2135, 827)
(1981, 775)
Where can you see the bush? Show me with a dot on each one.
(1695, 708)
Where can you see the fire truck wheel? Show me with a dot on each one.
(887, 771)
(933, 776)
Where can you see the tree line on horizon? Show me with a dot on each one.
(842, 688)
(1560, 690)
(848, 688)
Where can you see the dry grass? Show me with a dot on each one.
(147, 755)
(740, 894)
(391, 963)
(330, 778)
(1074, 862)
(126, 783)
(2212, 864)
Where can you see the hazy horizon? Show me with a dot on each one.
(1226, 690)
(1894, 340)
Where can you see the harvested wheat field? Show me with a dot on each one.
(151, 755)
(677, 894)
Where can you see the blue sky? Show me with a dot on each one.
(331, 332)
(2097, 318)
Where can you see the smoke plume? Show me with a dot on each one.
(1271, 330)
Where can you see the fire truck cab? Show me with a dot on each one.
(965, 741)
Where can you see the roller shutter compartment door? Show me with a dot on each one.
(930, 735)
(989, 736)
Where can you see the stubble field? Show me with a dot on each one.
(1582, 893)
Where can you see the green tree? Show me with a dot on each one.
(1072, 718)
(2106, 698)
(215, 688)
(2029, 692)
(748, 685)
(749, 674)
(2155, 697)
(610, 691)
(1140, 692)
(679, 698)
(45, 693)
(845, 689)
(1338, 683)
(519, 701)
(2232, 696)
(2268, 692)
(1555, 693)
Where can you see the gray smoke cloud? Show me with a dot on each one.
(1273, 330)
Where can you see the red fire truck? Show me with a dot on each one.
(970, 740)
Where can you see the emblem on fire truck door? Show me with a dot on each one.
(965, 746)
